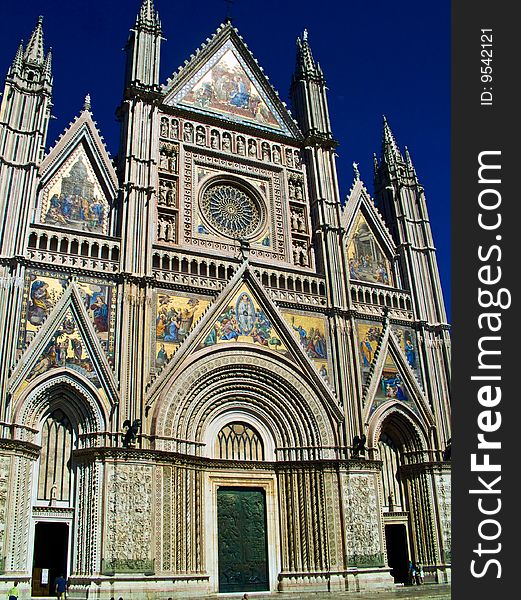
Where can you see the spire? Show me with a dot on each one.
(410, 167)
(390, 149)
(34, 51)
(306, 66)
(148, 17)
(47, 66)
(17, 64)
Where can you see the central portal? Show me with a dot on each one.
(243, 557)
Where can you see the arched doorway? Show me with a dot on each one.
(53, 505)
(244, 412)
(241, 516)
(400, 444)
(63, 414)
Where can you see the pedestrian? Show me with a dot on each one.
(60, 587)
(411, 575)
(419, 574)
(13, 592)
(245, 597)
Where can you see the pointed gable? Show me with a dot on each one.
(78, 183)
(391, 379)
(66, 341)
(42, 291)
(242, 316)
(369, 247)
(223, 79)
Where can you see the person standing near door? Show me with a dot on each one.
(13, 592)
(60, 584)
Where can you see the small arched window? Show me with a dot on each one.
(239, 441)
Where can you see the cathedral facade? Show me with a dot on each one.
(216, 376)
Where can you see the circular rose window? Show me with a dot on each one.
(231, 210)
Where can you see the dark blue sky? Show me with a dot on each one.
(378, 57)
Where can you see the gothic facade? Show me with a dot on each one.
(216, 376)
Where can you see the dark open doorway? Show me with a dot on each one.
(243, 559)
(397, 551)
(51, 541)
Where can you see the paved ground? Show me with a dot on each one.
(424, 592)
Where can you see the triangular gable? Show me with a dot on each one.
(223, 79)
(78, 183)
(67, 340)
(244, 314)
(391, 380)
(43, 290)
(369, 247)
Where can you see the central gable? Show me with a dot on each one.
(225, 81)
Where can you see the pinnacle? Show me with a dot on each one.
(18, 59)
(306, 65)
(148, 16)
(389, 146)
(34, 52)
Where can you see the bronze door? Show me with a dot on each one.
(243, 560)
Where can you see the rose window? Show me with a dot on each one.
(231, 211)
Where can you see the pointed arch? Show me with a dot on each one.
(405, 428)
(225, 384)
(67, 391)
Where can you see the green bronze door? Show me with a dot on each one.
(243, 561)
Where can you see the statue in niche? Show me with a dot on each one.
(172, 163)
(164, 127)
(304, 258)
(161, 230)
(201, 137)
(227, 142)
(276, 155)
(289, 158)
(214, 140)
(163, 160)
(175, 128)
(188, 132)
(171, 196)
(241, 146)
(294, 220)
(266, 154)
(301, 225)
(252, 148)
(291, 186)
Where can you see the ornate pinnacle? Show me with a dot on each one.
(390, 149)
(34, 50)
(47, 67)
(16, 66)
(306, 66)
(86, 103)
(408, 162)
(148, 16)
(356, 170)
